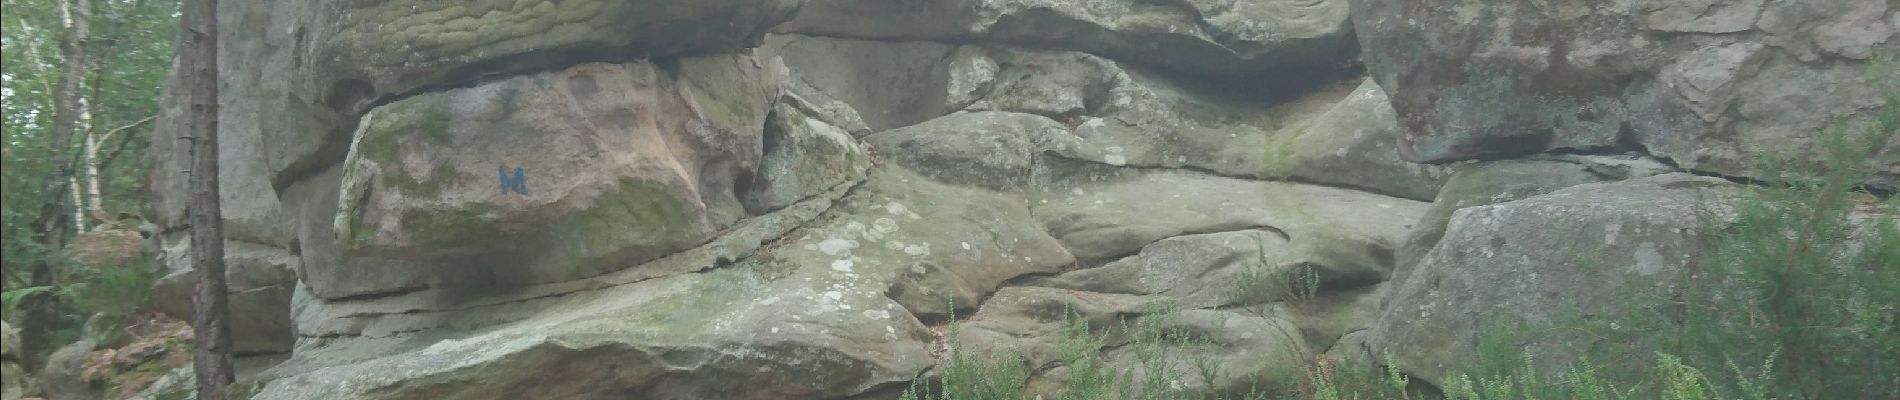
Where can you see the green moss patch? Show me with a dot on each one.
(448, 227)
(636, 212)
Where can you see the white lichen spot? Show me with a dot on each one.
(916, 250)
(837, 247)
(894, 245)
(1648, 260)
(1384, 205)
(769, 301)
(1115, 160)
(884, 225)
(841, 265)
(895, 208)
(966, 245)
(834, 295)
(877, 314)
(918, 269)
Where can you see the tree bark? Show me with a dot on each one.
(211, 357)
(42, 309)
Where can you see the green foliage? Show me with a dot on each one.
(113, 290)
(129, 56)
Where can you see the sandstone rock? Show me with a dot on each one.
(1119, 211)
(259, 280)
(804, 157)
(13, 379)
(1213, 37)
(1710, 86)
(60, 377)
(9, 341)
(941, 247)
(680, 336)
(885, 84)
(1493, 182)
(1117, 113)
(1208, 271)
(830, 311)
(1354, 144)
(1596, 250)
(623, 163)
(298, 74)
(469, 308)
(1039, 325)
(106, 247)
(987, 149)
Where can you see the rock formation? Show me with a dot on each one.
(766, 199)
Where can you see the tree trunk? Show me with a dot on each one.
(89, 160)
(211, 352)
(79, 203)
(43, 309)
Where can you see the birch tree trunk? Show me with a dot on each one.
(211, 350)
(41, 309)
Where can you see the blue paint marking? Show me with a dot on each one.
(519, 182)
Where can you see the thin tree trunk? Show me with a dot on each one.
(83, 128)
(90, 151)
(79, 203)
(42, 310)
(211, 356)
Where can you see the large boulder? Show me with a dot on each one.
(987, 149)
(1115, 212)
(805, 156)
(1595, 250)
(1211, 37)
(13, 378)
(826, 312)
(1340, 132)
(1353, 144)
(1135, 340)
(1492, 182)
(600, 167)
(259, 280)
(1711, 86)
(299, 73)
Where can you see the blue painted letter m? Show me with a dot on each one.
(519, 182)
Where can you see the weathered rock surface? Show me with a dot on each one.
(1120, 211)
(60, 378)
(1354, 145)
(1710, 86)
(988, 149)
(807, 216)
(1597, 250)
(1214, 37)
(13, 378)
(1493, 182)
(259, 280)
(805, 156)
(600, 166)
(826, 313)
(1037, 324)
(1114, 113)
